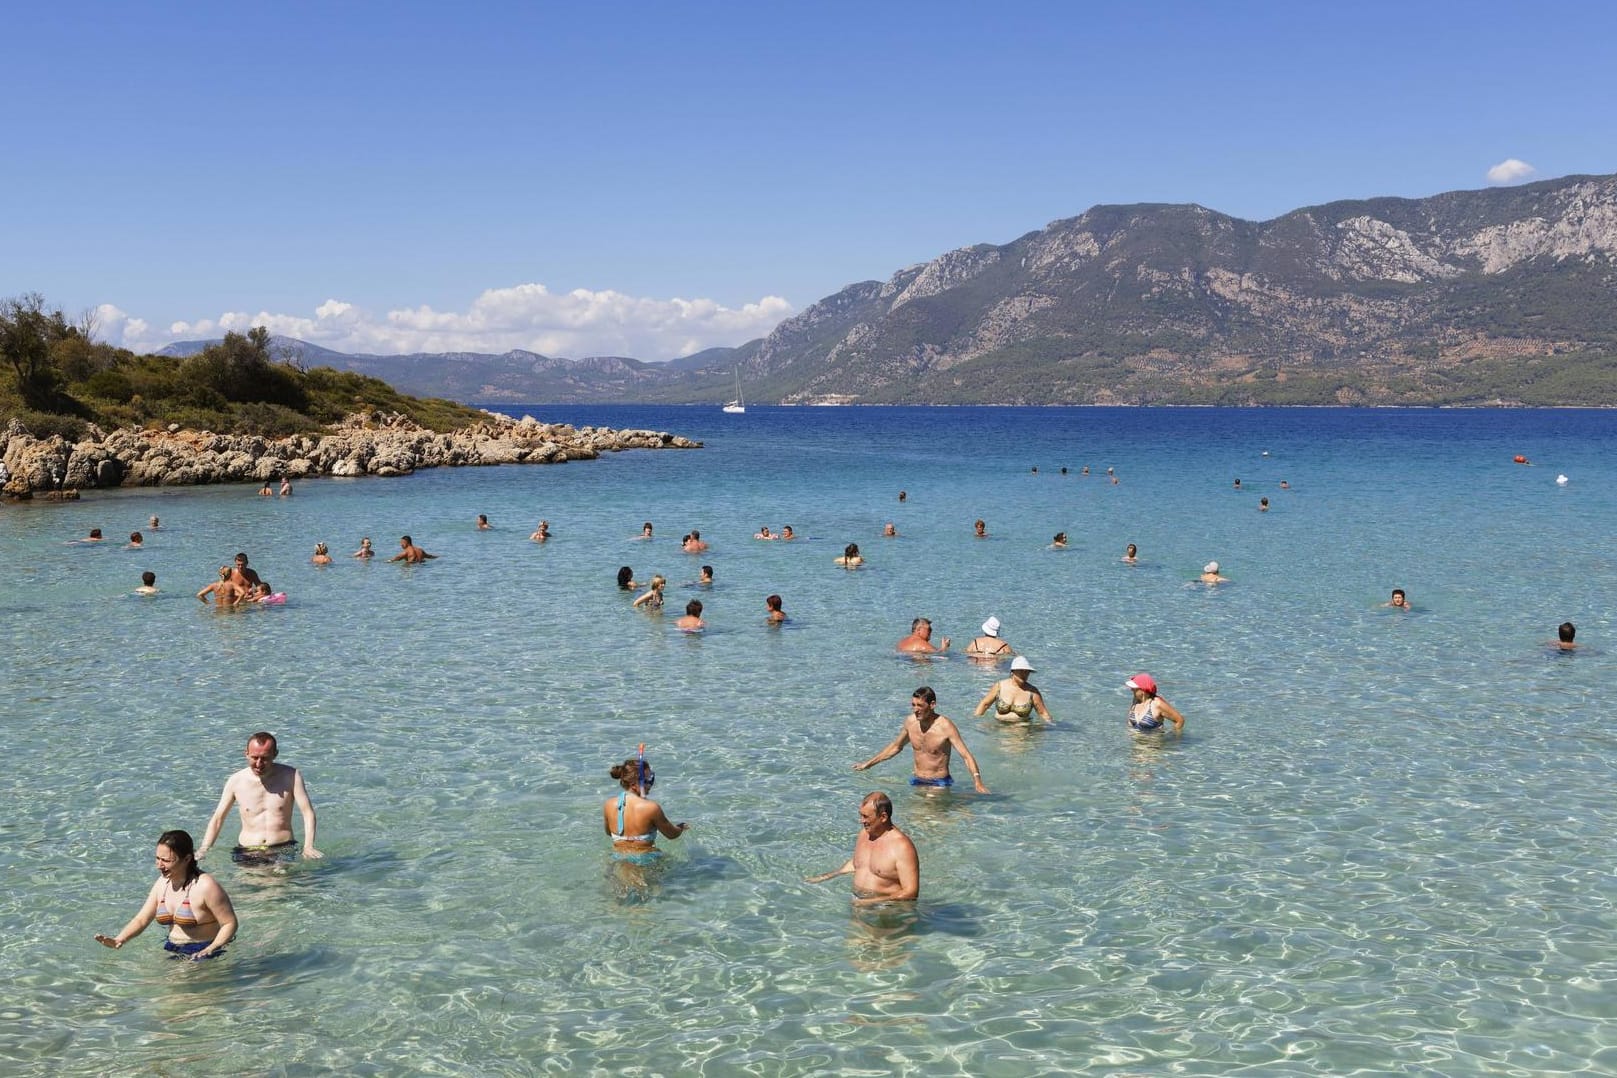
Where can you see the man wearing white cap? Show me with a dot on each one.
(1015, 699)
(1150, 712)
(989, 646)
(1210, 574)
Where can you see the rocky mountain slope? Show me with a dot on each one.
(1505, 295)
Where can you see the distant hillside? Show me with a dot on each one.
(1506, 295)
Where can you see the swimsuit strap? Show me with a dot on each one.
(623, 799)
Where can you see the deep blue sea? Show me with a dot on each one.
(1384, 844)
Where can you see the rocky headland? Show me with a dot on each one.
(381, 444)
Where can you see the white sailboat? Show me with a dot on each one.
(737, 406)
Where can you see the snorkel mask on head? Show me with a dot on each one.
(644, 776)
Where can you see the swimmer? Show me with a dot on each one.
(482, 523)
(980, 529)
(903, 496)
(1566, 637)
(694, 544)
(1399, 600)
(920, 639)
(409, 553)
(888, 531)
(989, 646)
(1084, 471)
(265, 491)
(787, 534)
(773, 604)
(1263, 504)
(136, 540)
(242, 576)
(1147, 712)
(632, 819)
(931, 737)
(365, 549)
(626, 580)
(1284, 485)
(286, 486)
(153, 524)
(1131, 554)
(885, 865)
(224, 591)
(645, 531)
(692, 621)
(1015, 699)
(185, 899)
(93, 537)
(1238, 484)
(148, 583)
(706, 579)
(320, 557)
(541, 534)
(264, 793)
(1210, 574)
(763, 533)
(1059, 542)
(653, 598)
(851, 558)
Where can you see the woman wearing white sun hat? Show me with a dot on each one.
(1015, 699)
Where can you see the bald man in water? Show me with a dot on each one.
(885, 864)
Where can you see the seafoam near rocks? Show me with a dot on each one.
(366, 444)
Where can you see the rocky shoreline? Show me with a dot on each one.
(373, 443)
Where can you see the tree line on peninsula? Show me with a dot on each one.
(62, 380)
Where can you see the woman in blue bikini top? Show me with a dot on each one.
(632, 819)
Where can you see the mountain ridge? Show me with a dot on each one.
(1497, 295)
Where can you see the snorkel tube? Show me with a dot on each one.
(640, 771)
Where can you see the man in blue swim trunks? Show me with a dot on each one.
(931, 737)
(265, 792)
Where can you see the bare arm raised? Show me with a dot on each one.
(889, 752)
(137, 924)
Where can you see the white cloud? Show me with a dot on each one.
(529, 316)
(1510, 170)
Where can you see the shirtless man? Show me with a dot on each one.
(409, 552)
(920, 639)
(244, 578)
(692, 621)
(265, 791)
(884, 864)
(930, 737)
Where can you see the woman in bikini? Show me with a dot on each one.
(653, 599)
(1150, 713)
(1015, 699)
(188, 901)
(632, 819)
(988, 647)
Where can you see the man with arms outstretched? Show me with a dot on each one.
(265, 792)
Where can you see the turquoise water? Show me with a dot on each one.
(1383, 846)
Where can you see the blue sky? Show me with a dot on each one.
(651, 179)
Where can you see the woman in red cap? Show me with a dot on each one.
(1149, 711)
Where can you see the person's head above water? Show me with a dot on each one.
(635, 774)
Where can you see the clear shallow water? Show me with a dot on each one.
(1384, 845)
